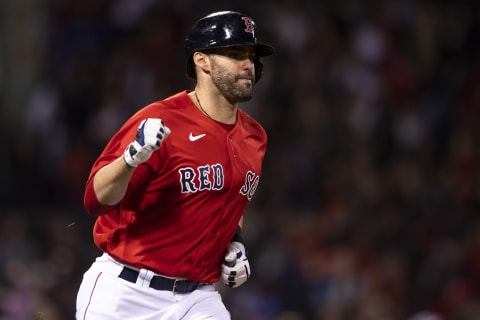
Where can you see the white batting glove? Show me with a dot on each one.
(150, 134)
(236, 268)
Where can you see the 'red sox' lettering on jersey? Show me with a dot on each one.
(192, 180)
(251, 183)
(210, 177)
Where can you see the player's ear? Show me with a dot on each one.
(201, 61)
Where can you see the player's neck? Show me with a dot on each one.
(216, 108)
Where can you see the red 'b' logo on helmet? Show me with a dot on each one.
(249, 26)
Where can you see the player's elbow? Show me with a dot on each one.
(91, 203)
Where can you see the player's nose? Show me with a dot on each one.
(248, 67)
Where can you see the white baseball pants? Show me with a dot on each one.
(103, 295)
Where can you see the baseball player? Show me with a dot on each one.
(170, 188)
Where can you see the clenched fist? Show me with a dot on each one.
(236, 268)
(150, 134)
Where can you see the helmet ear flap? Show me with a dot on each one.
(258, 63)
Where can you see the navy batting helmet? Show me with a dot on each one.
(224, 29)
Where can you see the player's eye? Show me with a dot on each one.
(240, 55)
(235, 53)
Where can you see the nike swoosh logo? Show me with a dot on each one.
(195, 138)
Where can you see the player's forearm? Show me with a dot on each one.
(110, 183)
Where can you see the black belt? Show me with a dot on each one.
(162, 283)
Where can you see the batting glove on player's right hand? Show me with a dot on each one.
(236, 268)
(150, 134)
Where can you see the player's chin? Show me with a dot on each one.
(247, 89)
(242, 92)
(246, 96)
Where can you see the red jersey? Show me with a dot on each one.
(182, 205)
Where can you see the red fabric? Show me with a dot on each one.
(162, 227)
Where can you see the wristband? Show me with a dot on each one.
(238, 236)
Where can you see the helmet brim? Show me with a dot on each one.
(261, 49)
(264, 50)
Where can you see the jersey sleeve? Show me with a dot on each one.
(113, 150)
(91, 203)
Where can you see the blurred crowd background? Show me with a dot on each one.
(368, 208)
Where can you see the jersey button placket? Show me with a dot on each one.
(230, 139)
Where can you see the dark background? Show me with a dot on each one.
(368, 207)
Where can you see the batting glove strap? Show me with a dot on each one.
(150, 134)
(236, 268)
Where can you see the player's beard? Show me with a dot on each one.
(229, 85)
